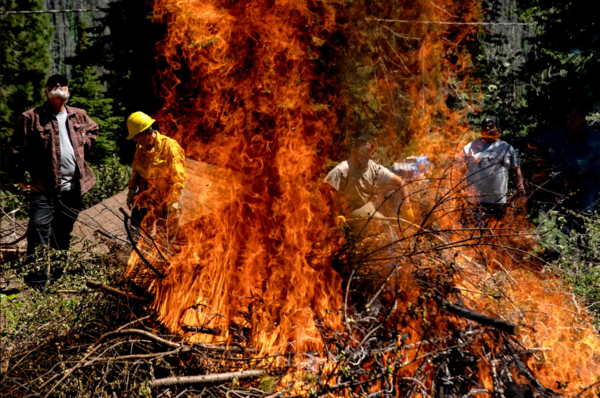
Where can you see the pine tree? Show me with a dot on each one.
(25, 61)
(127, 54)
(87, 92)
(555, 65)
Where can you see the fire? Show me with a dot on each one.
(253, 88)
(241, 88)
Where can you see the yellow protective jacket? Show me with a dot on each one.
(160, 170)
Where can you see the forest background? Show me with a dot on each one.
(526, 74)
(537, 58)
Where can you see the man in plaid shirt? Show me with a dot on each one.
(50, 143)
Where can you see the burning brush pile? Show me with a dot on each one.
(267, 293)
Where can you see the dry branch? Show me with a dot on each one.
(201, 329)
(527, 373)
(482, 319)
(476, 391)
(137, 250)
(171, 381)
(140, 332)
(112, 291)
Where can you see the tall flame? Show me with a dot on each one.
(242, 89)
(253, 87)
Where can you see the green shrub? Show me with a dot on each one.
(31, 316)
(577, 255)
(111, 178)
(14, 201)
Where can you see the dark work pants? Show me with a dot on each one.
(51, 219)
(482, 214)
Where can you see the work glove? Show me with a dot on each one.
(407, 212)
(130, 195)
(173, 208)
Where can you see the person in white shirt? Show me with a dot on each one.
(487, 161)
(50, 143)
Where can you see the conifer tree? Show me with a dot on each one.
(87, 92)
(124, 46)
(25, 61)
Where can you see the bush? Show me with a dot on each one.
(31, 315)
(111, 178)
(576, 255)
(15, 202)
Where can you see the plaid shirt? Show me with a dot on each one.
(36, 147)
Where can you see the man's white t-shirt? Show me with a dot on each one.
(358, 184)
(488, 167)
(68, 163)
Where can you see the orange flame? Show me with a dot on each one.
(240, 93)
(247, 87)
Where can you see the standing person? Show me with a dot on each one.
(50, 143)
(358, 181)
(158, 176)
(573, 154)
(488, 161)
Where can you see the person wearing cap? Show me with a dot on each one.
(487, 161)
(572, 154)
(158, 175)
(50, 143)
(358, 182)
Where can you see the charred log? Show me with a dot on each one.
(481, 319)
(201, 329)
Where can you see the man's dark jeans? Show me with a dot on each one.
(51, 220)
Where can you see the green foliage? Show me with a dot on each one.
(111, 178)
(578, 255)
(24, 43)
(268, 383)
(531, 75)
(30, 312)
(24, 62)
(87, 92)
(127, 55)
(14, 202)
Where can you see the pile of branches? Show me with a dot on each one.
(133, 355)
(406, 332)
(382, 362)
(122, 353)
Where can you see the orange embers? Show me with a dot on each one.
(242, 89)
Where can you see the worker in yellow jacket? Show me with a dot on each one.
(158, 176)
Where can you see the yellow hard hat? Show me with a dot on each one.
(138, 122)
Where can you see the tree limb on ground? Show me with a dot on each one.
(112, 291)
(171, 381)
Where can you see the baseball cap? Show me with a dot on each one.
(490, 121)
(60, 79)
